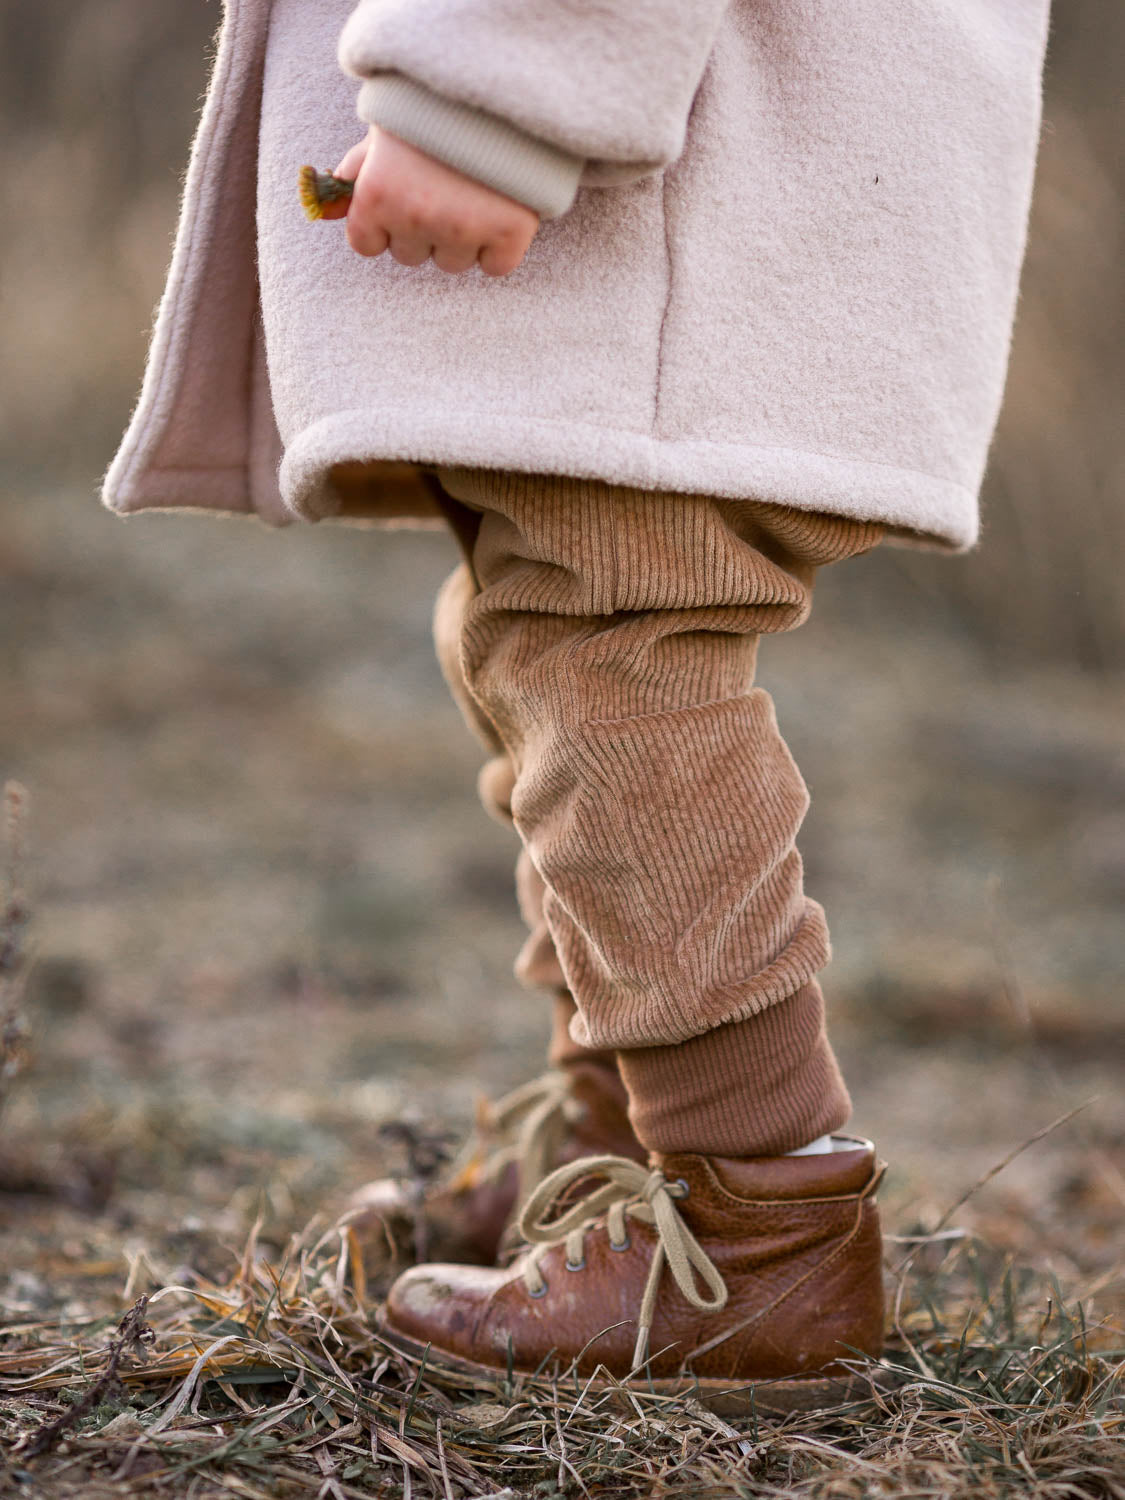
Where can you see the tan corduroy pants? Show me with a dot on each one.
(602, 643)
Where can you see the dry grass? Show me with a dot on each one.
(272, 1382)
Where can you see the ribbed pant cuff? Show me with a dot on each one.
(758, 1087)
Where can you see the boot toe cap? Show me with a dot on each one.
(441, 1305)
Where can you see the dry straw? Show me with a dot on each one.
(273, 1383)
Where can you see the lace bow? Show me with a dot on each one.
(630, 1191)
(526, 1127)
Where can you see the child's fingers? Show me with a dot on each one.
(350, 163)
(410, 249)
(455, 257)
(348, 168)
(366, 237)
(415, 207)
(504, 254)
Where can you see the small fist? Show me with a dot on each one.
(418, 208)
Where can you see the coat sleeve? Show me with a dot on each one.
(534, 96)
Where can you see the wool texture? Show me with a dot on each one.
(601, 643)
(790, 274)
(612, 83)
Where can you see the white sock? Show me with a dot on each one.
(820, 1147)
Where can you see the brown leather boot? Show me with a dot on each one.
(468, 1214)
(708, 1274)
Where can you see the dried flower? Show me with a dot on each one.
(318, 188)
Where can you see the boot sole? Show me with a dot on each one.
(725, 1398)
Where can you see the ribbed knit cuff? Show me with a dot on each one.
(758, 1087)
(480, 145)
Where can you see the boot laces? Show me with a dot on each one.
(526, 1127)
(629, 1191)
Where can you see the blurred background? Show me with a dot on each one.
(267, 912)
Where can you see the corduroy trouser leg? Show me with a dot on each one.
(602, 641)
(537, 965)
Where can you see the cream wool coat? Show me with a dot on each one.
(789, 275)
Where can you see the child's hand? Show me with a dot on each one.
(416, 207)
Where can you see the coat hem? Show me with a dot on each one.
(916, 507)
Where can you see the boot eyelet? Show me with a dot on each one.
(626, 1244)
(542, 1292)
(684, 1187)
(576, 1265)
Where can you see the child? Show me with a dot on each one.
(661, 307)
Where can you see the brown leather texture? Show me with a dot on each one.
(796, 1240)
(467, 1220)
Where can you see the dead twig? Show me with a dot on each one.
(133, 1334)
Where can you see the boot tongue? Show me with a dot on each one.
(763, 1178)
